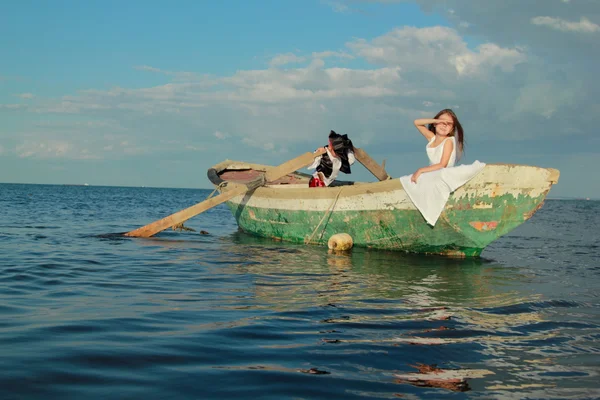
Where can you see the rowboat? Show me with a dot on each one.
(380, 215)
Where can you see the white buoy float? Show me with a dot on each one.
(340, 242)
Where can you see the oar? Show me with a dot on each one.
(371, 165)
(183, 215)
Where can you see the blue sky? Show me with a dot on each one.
(153, 93)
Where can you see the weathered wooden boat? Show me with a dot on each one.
(380, 215)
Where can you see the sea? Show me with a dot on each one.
(213, 313)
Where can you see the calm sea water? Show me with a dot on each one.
(88, 314)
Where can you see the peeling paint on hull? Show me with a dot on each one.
(380, 215)
(457, 233)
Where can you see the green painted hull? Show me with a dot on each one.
(462, 230)
(381, 216)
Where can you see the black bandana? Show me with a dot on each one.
(341, 145)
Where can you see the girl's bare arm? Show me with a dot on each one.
(421, 125)
(447, 152)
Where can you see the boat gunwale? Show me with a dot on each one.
(356, 189)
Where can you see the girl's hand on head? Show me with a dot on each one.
(442, 122)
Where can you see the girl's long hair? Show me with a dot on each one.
(458, 130)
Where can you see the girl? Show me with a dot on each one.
(339, 157)
(429, 187)
(446, 140)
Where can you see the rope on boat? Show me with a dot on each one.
(220, 186)
(328, 213)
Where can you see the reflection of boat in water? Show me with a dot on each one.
(388, 310)
(430, 301)
(380, 215)
(362, 273)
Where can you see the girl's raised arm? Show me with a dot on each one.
(421, 125)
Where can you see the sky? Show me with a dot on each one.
(154, 93)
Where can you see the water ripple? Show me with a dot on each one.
(87, 313)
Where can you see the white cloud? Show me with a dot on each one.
(284, 59)
(337, 6)
(325, 54)
(98, 125)
(302, 104)
(545, 99)
(13, 106)
(26, 95)
(269, 146)
(46, 149)
(55, 149)
(221, 135)
(508, 23)
(583, 26)
(487, 56)
(245, 87)
(177, 75)
(437, 50)
(78, 140)
(147, 68)
(74, 105)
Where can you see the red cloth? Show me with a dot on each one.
(316, 182)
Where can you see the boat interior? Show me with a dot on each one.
(246, 173)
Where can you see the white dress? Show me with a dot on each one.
(432, 190)
(435, 153)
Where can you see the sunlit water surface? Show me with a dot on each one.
(86, 313)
